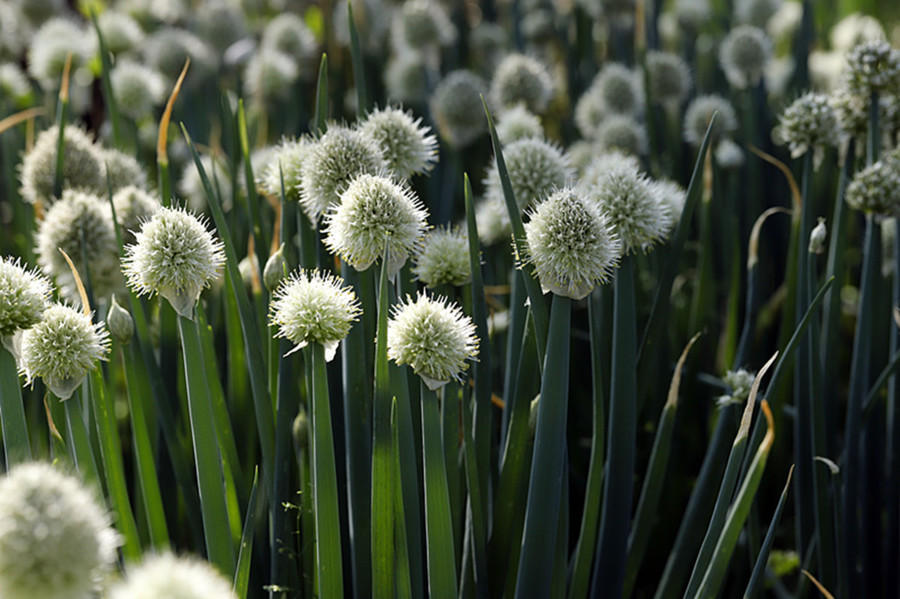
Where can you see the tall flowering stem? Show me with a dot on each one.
(16, 447)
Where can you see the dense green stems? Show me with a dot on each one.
(111, 103)
(325, 490)
(476, 520)
(762, 560)
(892, 482)
(547, 472)
(78, 439)
(450, 434)
(609, 564)
(438, 522)
(16, 447)
(286, 408)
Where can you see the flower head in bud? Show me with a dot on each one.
(274, 271)
(422, 25)
(314, 307)
(300, 429)
(876, 188)
(571, 245)
(517, 123)
(270, 74)
(700, 111)
(817, 237)
(434, 337)
(375, 213)
(457, 108)
(82, 166)
(535, 168)
(23, 296)
(120, 32)
(872, 67)
(623, 133)
(175, 256)
(56, 541)
(62, 348)
(638, 217)
(520, 79)
(728, 154)
(405, 78)
(139, 89)
(444, 259)
(331, 163)
(165, 575)
(739, 381)
(133, 206)
(808, 123)
(407, 144)
(669, 77)
(743, 55)
(124, 170)
(79, 217)
(119, 322)
(618, 89)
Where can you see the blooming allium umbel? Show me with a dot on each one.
(314, 307)
(444, 259)
(571, 245)
(166, 576)
(809, 123)
(872, 67)
(407, 144)
(23, 296)
(175, 256)
(876, 188)
(434, 337)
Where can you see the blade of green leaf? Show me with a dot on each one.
(762, 560)
(245, 552)
(16, 448)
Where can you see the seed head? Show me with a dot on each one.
(374, 213)
(62, 348)
(82, 166)
(520, 79)
(700, 111)
(669, 77)
(24, 295)
(876, 188)
(331, 163)
(535, 168)
(139, 90)
(175, 256)
(407, 144)
(872, 67)
(311, 306)
(434, 337)
(172, 577)
(808, 123)
(56, 541)
(517, 123)
(571, 245)
(743, 55)
(457, 108)
(444, 259)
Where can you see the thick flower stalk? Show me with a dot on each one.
(175, 256)
(166, 575)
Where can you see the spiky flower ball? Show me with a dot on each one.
(876, 188)
(620, 132)
(492, 220)
(406, 78)
(285, 161)
(56, 541)
(728, 154)
(62, 348)
(535, 167)
(808, 123)
(457, 108)
(170, 577)
(133, 206)
(518, 123)
(311, 306)
(872, 67)
(407, 144)
(82, 167)
(14, 85)
(23, 296)
(600, 163)
(139, 90)
(124, 170)
(520, 79)
(120, 32)
(220, 24)
(175, 256)
(571, 245)
(270, 74)
(331, 163)
(79, 216)
(444, 259)
(852, 112)
(743, 55)
(618, 89)
(434, 337)
(167, 48)
(422, 25)
(669, 78)
(374, 213)
(627, 198)
(700, 111)
(50, 45)
(289, 33)
(672, 195)
(589, 113)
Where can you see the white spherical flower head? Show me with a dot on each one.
(457, 108)
(536, 167)
(571, 245)
(286, 161)
(520, 79)
(618, 89)
(434, 337)
(518, 123)
(444, 259)
(175, 256)
(314, 307)
(124, 170)
(170, 577)
(331, 163)
(623, 133)
(133, 206)
(56, 541)
(492, 221)
(422, 26)
(744, 53)
(668, 76)
(872, 67)
(374, 211)
(407, 144)
(82, 165)
(700, 111)
(627, 197)
(876, 188)
(139, 89)
(672, 195)
(24, 295)
(62, 349)
(810, 122)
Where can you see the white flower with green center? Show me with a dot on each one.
(872, 67)
(444, 259)
(809, 123)
(24, 295)
(175, 256)
(375, 212)
(535, 168)
(407, 144)
(876, 188)
(314, 307)
(56, 541)
(62, 348)
(170, 577)
(434, 337)
(571, 245)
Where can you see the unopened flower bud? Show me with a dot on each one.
(275, 270)
(119, 322)
(817, 238)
